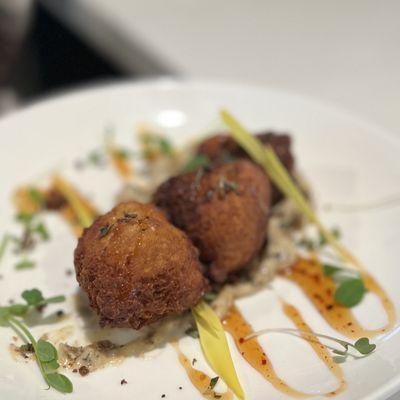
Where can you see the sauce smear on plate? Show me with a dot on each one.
(320, 290)
(322, 352)
(253, 353)
(199, 379)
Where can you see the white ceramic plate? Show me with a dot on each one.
(345, 160)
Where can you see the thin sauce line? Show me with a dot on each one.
(322, 352)
(320, 289)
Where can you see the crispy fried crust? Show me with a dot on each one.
(222, 148)
(224, 211)
(136, 267)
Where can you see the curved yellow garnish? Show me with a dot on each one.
(81, 210)
(215, 346)
(266, 157)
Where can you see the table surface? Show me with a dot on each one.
(343, 52)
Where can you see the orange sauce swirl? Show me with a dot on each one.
(253, 353)
(320, 290)
(321, 351)
(199, 379)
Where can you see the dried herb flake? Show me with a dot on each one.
(104, 230)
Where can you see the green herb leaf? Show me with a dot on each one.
(46, 352)
(18, 309)
(24, 264)
(330, 270)
(4, 314)
(33, 297)
(51, 366)
(59, 382)
(213, 382)
(42, 231)
(196, 162)
(364, 346)
(350, 292)
(24, 218)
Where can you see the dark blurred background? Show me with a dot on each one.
(45, 56)
(341, 52)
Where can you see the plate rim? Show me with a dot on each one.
(176, 83)
(389, 388)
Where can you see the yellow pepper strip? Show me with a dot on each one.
(84, 214)
(215, 346)
(267, 158)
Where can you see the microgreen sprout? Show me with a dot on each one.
(362, 345)
(33, 228)
(45, 353)
(33, 299)
(24, 264)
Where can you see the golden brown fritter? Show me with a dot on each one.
(136, 267)
(224, 211)
(222, 148)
